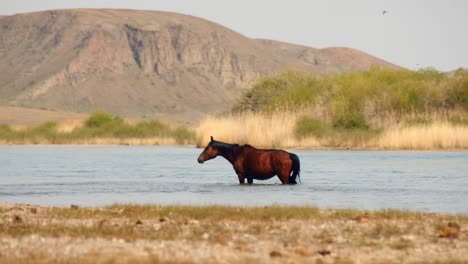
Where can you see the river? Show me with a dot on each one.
(105, 175)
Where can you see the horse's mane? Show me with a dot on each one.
(224, 147)
(227, 147)
(252, 147)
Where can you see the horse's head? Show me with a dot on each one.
(210, 152)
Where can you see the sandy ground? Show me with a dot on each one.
(19, 116)
(35, 234)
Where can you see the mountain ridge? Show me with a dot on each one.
(138, 63)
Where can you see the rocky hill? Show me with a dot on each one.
(143, 63)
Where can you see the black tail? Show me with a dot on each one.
(295, 169)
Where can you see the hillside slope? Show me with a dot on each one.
(143, 63)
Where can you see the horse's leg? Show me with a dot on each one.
(249, 179)
(279, 169)
(284, 180)
(284, 170)
(241, 177)
(284, 175)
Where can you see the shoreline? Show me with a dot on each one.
(2, 144)
(229, 234)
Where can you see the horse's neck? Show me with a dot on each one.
(235, 151)
(229, 152)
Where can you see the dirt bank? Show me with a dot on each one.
(219, 234)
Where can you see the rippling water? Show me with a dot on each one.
(104, 175)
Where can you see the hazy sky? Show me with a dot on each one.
(412, 33)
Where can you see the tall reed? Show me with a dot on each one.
(278, 130)
(267, 130)
(437, 135)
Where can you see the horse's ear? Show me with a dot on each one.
(211, 138)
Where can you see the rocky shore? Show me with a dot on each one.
(220, 234)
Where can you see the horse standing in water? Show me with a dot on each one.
(251, 163)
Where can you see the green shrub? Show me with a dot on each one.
(458, 120)
(46, 130)
(418, 121)
(458, 90)
(152, 128)
(262, 93)
(269, 89)
(182, 135)
(350, 121)
(98, 125)
(349, 97)
(6, 132)
(98, 119)
(308, 126)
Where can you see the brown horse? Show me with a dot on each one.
(251, 163)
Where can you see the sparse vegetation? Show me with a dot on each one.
(99, 127)
(134, 233)
(384, 109)
(361, 96)
(356, 110)
(308, 126)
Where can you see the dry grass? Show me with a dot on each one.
(99, 129)
(19, 116)
(156, 141)
(277, 130)
(213, 234)
(439, 135)
(126, 141)
(262, 130)
(69, 125)
(212, 213)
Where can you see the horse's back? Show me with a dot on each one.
(266, 163)
(265, 154)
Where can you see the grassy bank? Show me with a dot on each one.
(389, 109)
(201, 234)
(291, 130)
(375, 109)
(99, 128)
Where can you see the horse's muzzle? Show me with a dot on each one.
(200, 160)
